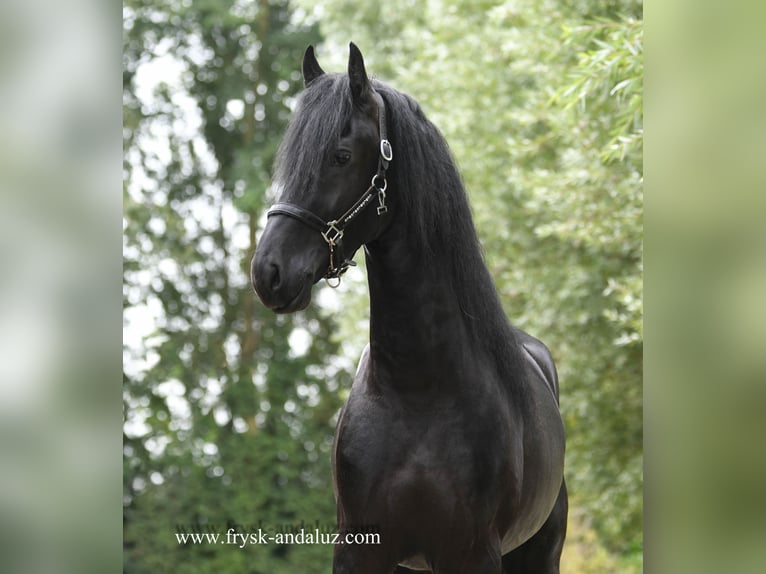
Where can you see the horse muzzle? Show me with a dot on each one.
(284, 267)
(276, 289)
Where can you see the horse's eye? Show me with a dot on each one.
(341, 158)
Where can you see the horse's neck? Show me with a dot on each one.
(417, 328)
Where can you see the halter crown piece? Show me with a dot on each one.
(332, 231)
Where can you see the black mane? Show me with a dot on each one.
(424, 177)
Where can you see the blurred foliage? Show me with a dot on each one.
(228, 424)
(541, 103)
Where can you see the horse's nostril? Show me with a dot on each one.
(274, 277)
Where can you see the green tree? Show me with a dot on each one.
(229, 409)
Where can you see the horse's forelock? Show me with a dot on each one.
(323, 110)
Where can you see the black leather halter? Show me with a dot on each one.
(332, 231)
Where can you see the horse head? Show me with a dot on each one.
(335, 148)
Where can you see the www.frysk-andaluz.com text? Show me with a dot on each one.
(264, 537)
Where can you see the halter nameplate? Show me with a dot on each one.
(332, 231)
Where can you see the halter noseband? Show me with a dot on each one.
(332, 231)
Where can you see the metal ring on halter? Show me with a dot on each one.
(376, 186)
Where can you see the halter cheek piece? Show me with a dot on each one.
(332, 231)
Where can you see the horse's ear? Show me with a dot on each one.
(311, 68)
(357, 75)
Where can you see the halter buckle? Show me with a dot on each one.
(332, 234)
(386, 151)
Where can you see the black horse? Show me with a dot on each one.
(451, 443)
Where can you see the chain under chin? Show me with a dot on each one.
(334, 273)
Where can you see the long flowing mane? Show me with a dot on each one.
(427, 185)
(433, 198)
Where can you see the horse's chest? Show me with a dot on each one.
(398, 458)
